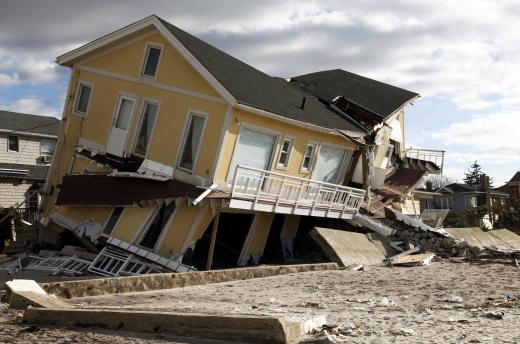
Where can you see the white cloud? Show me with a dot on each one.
(32, 105)
(495, 134)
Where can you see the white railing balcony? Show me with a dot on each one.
(260, 190)
(430, 155)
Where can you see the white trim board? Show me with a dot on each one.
(155, 84)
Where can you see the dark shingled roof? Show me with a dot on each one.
(456, 188)
(251, 87)
(35, 172)
(29, 123)
(106, 190)
(380, 98)
(516, 177)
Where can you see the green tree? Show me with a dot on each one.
(472, 177)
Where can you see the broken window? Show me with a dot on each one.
(112, 220)
(83, 98)
(152, 61)
(307, 156)
(285, 152)
(328, 164)
(145, 130)
(388, 156)
(155, 227)
(12, 145)
(191, 142)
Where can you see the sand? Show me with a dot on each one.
(445, 302)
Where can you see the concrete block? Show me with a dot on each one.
(231, 327)
(24, 293)
(127, 284)
(347, 248)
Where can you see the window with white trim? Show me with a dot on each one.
(307, 156)
(153, 53)
(83, 98)
(46, 147)
(144, 134)
(13, 143)
(192, 139)
(154, 229)
(112, 220)
(285, 152)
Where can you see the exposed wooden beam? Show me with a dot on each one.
(212, 242)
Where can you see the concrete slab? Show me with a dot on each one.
(235, 327)
(347, 248)
(25, 293)
(508, 237)
(474, 236)
(382, 243)
(116, 285)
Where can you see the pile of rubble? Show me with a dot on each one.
(452, 242)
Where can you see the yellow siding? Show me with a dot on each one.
(174, 70)
(176, 233)
(82, 214)
(171, 119)
(131, 221)
(301, 135)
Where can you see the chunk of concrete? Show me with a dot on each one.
(25, 293)
(235, 327)
(347, 248)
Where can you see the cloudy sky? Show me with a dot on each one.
(463, 57)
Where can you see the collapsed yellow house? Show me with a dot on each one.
(176, 151)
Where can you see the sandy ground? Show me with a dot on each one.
(445, 302)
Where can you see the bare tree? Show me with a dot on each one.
(438, 181)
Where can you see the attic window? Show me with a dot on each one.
(153, 54)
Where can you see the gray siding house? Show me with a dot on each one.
(26, 147)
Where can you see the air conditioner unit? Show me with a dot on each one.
(46, 158)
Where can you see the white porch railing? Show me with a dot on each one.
(431, 155)
(261, 190)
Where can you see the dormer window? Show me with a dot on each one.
(153, 53)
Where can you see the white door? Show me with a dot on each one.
(121, 126)
(328, 164)
(254, 149)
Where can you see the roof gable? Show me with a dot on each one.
(516, 177)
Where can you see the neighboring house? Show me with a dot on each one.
(26, 146)
(463, 199)
(512, 187)
(175, 148)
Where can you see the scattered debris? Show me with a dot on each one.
(24, 293)
(498, 315)
(455, 299)
(403, 331)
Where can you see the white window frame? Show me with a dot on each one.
(144, 227)
(308, 169)
(18, 144)
(76, 98)
(144, 59)
(136, 134)
(48, 140)
(119, 97)
(115, 224)
(180, 149)
(291, 140)
(344, 163)
(260, 129)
